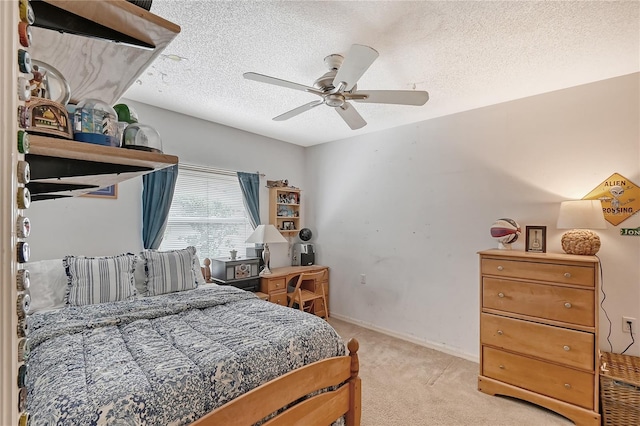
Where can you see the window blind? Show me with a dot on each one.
(207, 212)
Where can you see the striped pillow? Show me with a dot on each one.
(94, 280)
(169, 271)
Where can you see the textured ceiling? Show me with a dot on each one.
(466, 54)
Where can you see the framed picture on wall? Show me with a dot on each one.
(536, 239)
(108, 192)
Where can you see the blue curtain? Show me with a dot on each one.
(157, 194)
(250, 183)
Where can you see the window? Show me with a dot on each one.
(207, 212)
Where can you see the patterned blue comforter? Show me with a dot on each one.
(164, 360)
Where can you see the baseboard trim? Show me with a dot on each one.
(427, 344)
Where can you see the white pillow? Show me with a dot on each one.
(170, 271)
(48, 284)
(198, 271)
(95, 280)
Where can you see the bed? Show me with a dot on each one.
(207, 355)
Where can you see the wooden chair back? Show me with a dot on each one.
(307, 299)
(308, 276)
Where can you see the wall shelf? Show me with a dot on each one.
(100, 47)
(63, 168)
(94, 66)
(285, 209)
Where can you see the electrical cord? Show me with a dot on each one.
(632, 339)
(604, 296)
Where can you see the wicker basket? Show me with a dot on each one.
(620, 389)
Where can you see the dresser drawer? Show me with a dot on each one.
(569, 347)
(570, 305)
(540, 271)
(279, 298)
(563, 383)
(275, 284)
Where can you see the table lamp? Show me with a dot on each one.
(581, 216)
(266, 234)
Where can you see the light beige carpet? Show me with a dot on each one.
(404, 384)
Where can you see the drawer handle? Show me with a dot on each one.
(501, 367)
(567, 385)
(567, 274)
(501, 294)
(567, 305)
(277, 285)
(566, 348)
(500, 268)
(500, 333)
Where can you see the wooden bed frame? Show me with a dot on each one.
(287, 391)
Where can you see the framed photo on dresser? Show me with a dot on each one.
(536, 239)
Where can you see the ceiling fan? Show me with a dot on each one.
(338, 86)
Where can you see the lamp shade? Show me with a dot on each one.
(581, 214)
(266, 234)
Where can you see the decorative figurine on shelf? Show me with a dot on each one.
(37, 82)
(277, 183)
(206, 270)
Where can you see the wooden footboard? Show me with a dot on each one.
(321, 409)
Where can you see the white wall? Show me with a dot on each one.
(410, 207)
(97, 227)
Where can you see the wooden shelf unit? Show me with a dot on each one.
(103, 70)
(64, 168)
(98, 68)
(284, 207)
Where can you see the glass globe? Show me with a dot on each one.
(96, 122)
(142, 137)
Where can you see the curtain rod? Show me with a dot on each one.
(199, 168)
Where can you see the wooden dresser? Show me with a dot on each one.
(275, 284)
(539, 330)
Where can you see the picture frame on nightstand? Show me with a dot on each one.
(536, 239)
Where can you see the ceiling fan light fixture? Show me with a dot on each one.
(338, 85)
(334, 100)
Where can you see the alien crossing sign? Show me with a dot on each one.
(620, 198)
(635, 232)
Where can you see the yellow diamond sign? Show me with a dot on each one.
(620, 198)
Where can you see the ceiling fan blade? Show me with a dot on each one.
(399, 97)
(358, 60)
(278, 82)
(299, 110)
(351, 116)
